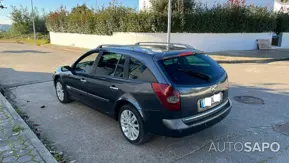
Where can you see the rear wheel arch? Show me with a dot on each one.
(123, 101)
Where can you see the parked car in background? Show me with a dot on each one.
(149, 88)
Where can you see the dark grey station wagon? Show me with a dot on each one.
(149, 88)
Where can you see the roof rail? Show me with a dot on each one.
(164, 43)
(133, 47)
(113, 45)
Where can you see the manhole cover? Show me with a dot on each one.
(249, 100)
(283, 128)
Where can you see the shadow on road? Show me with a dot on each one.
(23, 51)
(11, 78)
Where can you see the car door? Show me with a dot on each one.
(81, 73)
(104, 85)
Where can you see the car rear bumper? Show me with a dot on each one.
(186, 126)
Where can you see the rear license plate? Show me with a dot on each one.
(209, 101)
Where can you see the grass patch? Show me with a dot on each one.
(31, 41)
(41, 39)
(16, 129)
(38, 42)
(20, 112)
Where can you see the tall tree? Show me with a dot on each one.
(177, 5)
(22, 21)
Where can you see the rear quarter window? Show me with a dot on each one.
(192, 69)
(139, 71)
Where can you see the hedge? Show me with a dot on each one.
(219, 19)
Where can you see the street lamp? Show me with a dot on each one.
(34, 31)
(169, 24)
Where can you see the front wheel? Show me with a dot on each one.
(61, 92)
(131, 125)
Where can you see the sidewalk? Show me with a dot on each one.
(251, 56)
(17, 142)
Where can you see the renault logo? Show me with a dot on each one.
(213, 88)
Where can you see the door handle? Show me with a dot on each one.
(113, 87)
(83, 80)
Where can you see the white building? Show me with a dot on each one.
(276, 5)
(144, 4)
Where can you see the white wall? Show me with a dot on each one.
(263, 3)
(285, 40)
(209, 42)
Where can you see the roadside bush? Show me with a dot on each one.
(282, 21)
(229, 18)
(58, 21)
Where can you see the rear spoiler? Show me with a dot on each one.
(183, 54)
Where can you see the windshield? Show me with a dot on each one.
(192, 69)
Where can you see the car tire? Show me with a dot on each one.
(130, 111)
(61, 92)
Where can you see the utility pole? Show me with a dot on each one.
(169, 23)
(34, 31)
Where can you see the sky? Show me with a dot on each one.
(50, 5)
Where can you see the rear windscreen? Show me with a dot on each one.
(192, 69)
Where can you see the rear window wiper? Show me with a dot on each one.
(196, 74)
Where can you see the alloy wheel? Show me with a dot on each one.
(129, 125)
(59, 91)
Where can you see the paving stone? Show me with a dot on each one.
(9, 159)
(2, 117)
(3, 142)
(4, 148)
(14, 147)
(33, 153)
(27, 143)
(37, 158)
(24, 158)
(19, 147)
(17, 142)
(14, 137)
(23, 152)
(7, 153)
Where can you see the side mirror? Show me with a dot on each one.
(65, 68)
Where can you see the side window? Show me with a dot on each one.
(108, 63)
(86, 64)
(139, 71)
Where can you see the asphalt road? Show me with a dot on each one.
(88, 136)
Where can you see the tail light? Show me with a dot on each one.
(168, 96)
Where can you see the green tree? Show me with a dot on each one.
(177, 5)
(22, 21)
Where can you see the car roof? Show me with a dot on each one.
(156, 50)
